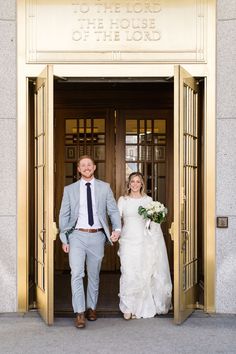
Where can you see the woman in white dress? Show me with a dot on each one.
(145, 283)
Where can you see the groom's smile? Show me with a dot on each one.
(86, 168)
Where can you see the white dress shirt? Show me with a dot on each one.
(82, 221)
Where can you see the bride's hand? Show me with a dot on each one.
(115, 236)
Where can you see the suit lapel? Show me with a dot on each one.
(96, 193)
(77, 197)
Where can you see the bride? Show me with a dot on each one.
(145, 283)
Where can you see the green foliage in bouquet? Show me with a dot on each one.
(155, 211)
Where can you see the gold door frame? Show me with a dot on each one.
(25, 71)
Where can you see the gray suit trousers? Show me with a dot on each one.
(85, 248)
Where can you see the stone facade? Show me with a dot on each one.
(8, 234)
(226, 162)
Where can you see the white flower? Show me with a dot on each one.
(154, 211)
(149, 206)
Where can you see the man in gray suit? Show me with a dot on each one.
(83, 231)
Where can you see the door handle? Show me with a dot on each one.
(55, 230)
(171, 231)
(186, 234)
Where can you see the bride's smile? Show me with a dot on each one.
(135, 187)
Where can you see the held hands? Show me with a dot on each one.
(115, 236)
(65, 247)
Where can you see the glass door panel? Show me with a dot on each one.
(145, 144)
(85, 135)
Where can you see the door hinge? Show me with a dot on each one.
(171, 231)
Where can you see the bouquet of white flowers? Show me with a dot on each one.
(154, 211)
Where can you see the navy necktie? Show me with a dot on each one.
(89, 204)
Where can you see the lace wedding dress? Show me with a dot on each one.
(145, 283)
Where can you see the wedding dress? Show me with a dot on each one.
(145, 283)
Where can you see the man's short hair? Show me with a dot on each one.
(85, 157)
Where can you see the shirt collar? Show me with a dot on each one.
(91, 181)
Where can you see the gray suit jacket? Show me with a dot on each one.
(105, 202)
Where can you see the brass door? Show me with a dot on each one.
(44, 201)
(184, 230)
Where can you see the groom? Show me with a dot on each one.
(83, 230)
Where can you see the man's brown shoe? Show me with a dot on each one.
(80, 320)
(91, 315)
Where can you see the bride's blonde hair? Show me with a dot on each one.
(132, 175)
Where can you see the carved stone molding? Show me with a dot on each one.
(116, 31)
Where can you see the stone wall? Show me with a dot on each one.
(226, 160)
(8, 234)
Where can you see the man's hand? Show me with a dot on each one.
(65, 247)
(115, 236)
